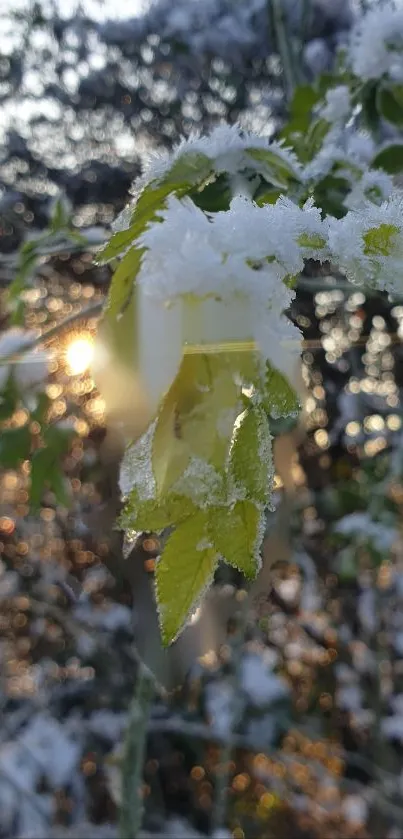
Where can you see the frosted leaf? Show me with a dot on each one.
(122, 221)
(225, 422)
(129, 540)
(360, 146)
(201, 483)
(373, 186)
(337, 105)
(245, 250)
(376, 45)
(136, 469)
(368, 244)
(279, 342)
(225, 145)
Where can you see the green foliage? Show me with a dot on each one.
(279, 398)
(236, 535)
(47, 463)
(389, 101)
(274, 168)
(379, 241)
(330, 192)
(187, 421)
(60, 230)
(15, 446)
(390, 159)
(151, 514)
(185, 173)
(183, 573)
(250, 456)
(122, 282)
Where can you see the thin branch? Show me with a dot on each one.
(284, 47)
(53, 332)
(131, 811)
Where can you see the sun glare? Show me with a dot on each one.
(79, 354)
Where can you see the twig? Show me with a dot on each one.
(131, 811)
(222, 778)
(277, 7)
(84, 314)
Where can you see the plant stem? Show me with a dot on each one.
(284, 47)
(131, 809)
(54, 331)
(222, 777)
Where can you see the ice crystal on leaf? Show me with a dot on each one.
(376, 47)
(247, 250)
(337, 105)
(368, 244)
(373, 186)
(136, 469)
(225, 146)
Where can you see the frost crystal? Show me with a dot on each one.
(247, 249)
(374, 186)
(225, 145)
(376, 47)
(136, 469)
(368, 244)
(200, 482)
(338, 104)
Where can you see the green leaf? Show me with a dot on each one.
(390, 159)
(170, 454)
(379, 241)
(272, 166)
(61, 215)
(199, 401)
(153, 514)
(236, 534)
(265, 196)
(186, 172)
(42, 406)
(183, 573)
(215, 196)
(59, 485)
(304, 99)
(279, 397)
(368, 101)
(389, 101)
(207, 426)
(58, 439)
(251, 455)
(46, 471)
(9, 398)
(330, 193)
(41, 467)
(123, 281)
(318, 130)
(15, 446)
(190, 168)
